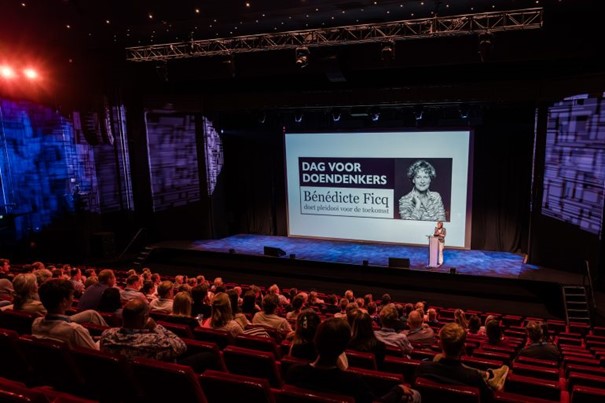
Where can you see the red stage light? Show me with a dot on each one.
(30, 73)
(7, 72)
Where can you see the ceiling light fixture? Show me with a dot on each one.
(302, 55)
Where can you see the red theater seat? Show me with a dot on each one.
(400, 365)
(197, 346)
(537, 361)
(587, 394)
(20, 322)
(260, 364)
(379, 382)
(434, 392)
(178, 329)
(220, 337)
(224, 387)
(359, 359)
(52, 364)
(586, 369)
(492, 355)
(13, 364)
(481, 363)
(585, 379)
(257, 343)
(101, 369)
(536, 371)
(11, 391)
(167, 382)
(507, 397)
(287, 362)
(293, 394)
(535, 387)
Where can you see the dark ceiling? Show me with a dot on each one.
(84, 40)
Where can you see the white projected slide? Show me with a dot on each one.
(385, 187)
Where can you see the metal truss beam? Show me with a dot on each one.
(468, 24)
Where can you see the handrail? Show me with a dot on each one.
(134, 238)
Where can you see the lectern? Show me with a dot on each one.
(433, 251)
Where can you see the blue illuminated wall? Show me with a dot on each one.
(48, 169)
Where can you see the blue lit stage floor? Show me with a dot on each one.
(469, 262)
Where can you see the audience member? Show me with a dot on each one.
(222, 316)
(419, 331)
(57, 296)
(141, 336)
(267, 316)
(92, 295)
(331, 340)
(342, 313)
(537, 347)
(249, 306)
(363, 338)
(432, 317)
(330, 306)
(302, 345)
(149, 290)
(349, 296)
(110, 301)
(5, 268)
(7, 292)
(298, 304)
(76, 280)
(42, 275)
(181, 305)
(134, 282)
(314, 300)
(274, 290)
(238, 316)
(460, 318)
(200, 309)
(26, 295)
(387, 334)
(163, 304)
(448, 369)
(474, 325)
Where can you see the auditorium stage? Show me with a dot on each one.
(337, 265)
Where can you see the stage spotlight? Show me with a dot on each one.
(375, 114)
(418, 112)
(387, 53)
(486, 45)
(336, 115)
(298, 117)
(302, 55)
(7, 72)
(30, 73)
(464, 110)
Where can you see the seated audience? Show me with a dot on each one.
(163, 304)
(432, 318)
(419, 331)
(57, 296)
(460, 318)
(342, 313)
(92, 295)
(349, 296)
(181, 305)
(298, 304)
(249, 306)
(149, 290)
(448, 369)
(330, 306)
(331, 339)
(267, 316)
(26, 295)
(134, 283)
(222, 316)
(302, 345)
(314, 300)
(387, 334)
(274, 290)
(76, 280)
(200, 308)
(363, 338)
(110, 301)
(5, 269)
(537, 346)
(238, 316)
(7, 292)
(141, 336)
(474, 325)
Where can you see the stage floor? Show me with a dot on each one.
(467, 262)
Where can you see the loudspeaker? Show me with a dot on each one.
(399, 262)
(271, 251)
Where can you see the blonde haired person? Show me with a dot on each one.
(222, 316)
(26, 294)
(181, 305)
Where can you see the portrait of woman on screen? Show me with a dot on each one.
(421, 204)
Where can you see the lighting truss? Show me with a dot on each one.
(467, 24)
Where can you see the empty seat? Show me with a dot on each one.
(288, 361)
(535, 387)
(481, 363)
(224, 387)
(584, 379)
(435, 392)
(178, 329)
(293, 394)
(52, 364)
(508, 397)
(400, 365)
(20, 322)
(379, 382)
(198, 346)
(537, 361)
(101, 369)
(245, 361)
(13, 364)
(167, 382)
(492, 355)
(220, 337)
(360, 359)
(257, 343)
(535, 371)
(587, 394)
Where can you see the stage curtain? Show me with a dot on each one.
(502, 179)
